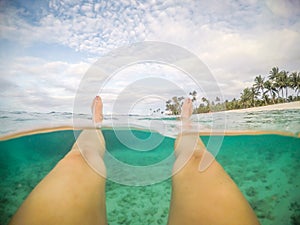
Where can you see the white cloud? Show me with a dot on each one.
(287, 8)
(36, 84)
(236, 39)
(86, 27)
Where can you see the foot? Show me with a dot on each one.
(91, 143)
(97, 110)
(187, 109)
(186, 113)
(192, 145)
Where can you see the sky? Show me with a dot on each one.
(47, 48)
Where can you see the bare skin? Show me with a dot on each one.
(72, 193)
(209, 197)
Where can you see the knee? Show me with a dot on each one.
(197, 155)
(73, 154)
(73, 159)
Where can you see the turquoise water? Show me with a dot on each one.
(265, 167)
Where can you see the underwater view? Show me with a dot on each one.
(260, 151)
(235, 62)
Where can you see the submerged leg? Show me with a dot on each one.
(209, 197)
(72, 193)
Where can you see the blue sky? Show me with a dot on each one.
(47, 46)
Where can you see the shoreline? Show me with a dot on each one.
(201, 133)
(280, 106)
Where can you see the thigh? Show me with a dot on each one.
(72, 193)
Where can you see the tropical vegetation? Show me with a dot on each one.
(271, 89)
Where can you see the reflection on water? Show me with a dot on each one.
(273, 120)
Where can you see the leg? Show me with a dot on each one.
(72, 193)
(209, 197)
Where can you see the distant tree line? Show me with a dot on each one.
(271, 89)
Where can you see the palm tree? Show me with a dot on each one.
(206, 108)
(259, 85)
(246, 97)
(280, 80)
(284, 82)
(253, 95)
(206, 101)
(297, 86)
(274, 77)
(273, 73)
(177, 103)
(265, 97)
(295, 82)
(235, 104)
(271, 89)
(193, 95)
(174, 105)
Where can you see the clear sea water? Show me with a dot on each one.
(265, 167)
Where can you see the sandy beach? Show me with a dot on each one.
(282, 106)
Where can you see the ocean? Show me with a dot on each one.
(265, 165)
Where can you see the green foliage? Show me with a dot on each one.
(271, 89)
(174, 105)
